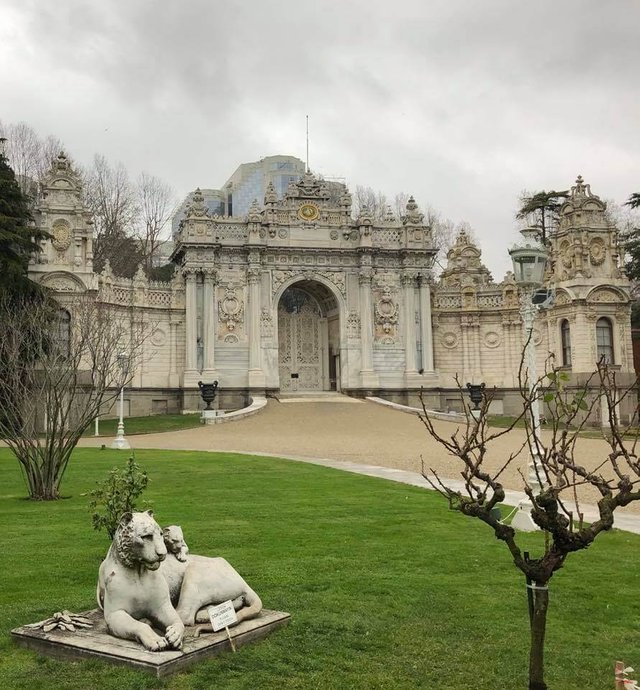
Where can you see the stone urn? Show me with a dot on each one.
(476, 393)
(208, 392)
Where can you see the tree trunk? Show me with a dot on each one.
(538, 628)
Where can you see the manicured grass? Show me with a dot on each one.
(387, 588)
(146, 425)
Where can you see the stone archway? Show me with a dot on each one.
(308, 338)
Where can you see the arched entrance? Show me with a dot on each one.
(308, 338)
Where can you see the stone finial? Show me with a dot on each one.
(140, 277)
(255, 215)
(270, 197)
(197, 207)
(62, 164)
(389, 216)
(581, 190)
(107, 271)
(413, 215)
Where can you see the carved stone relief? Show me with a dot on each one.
(386, 319)
(353, 325)
(492, 339)
(231, 309)
(604, 295)
(266, 324)
(597, 252)
(158, 337)
(280, 276)
(449, 339)
(61, 231)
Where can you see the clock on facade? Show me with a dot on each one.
(308, 212)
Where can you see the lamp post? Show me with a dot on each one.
(529, 260)
(120, 441)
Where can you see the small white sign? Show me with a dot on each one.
(222, 616)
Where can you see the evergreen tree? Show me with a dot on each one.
(634, 200)
(19, 239)
(546, 206)
(632, 251)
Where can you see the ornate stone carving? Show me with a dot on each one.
(62, 283)
(597, 252)
(231, 309)
(61, 231)
(365, 276)
(604, 295)
(280, 276)
(353, 325)
(158, 337)
(492, 339)
(386, 318)
(449, 339)
(266, 324)
(197, 207)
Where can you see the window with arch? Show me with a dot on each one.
(604, 339)
(63, 332)
(565, 337)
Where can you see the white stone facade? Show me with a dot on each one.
(299, 296)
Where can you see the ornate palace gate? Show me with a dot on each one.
(303, 343)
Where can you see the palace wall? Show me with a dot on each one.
(299, 293)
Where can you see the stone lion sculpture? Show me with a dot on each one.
(131, 587)
(196, 582)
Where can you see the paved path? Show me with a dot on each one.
(360, 437)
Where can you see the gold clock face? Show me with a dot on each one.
(308, 212)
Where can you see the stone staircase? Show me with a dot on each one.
(315, 397)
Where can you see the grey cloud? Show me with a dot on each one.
(461, 103)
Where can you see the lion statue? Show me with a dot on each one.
(196, 582)
(131, 587)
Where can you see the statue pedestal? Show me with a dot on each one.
(211, 416)
(97, 643)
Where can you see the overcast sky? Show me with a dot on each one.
(462, 103)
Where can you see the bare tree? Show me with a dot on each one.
(556, 508)
(58, 369)
(374, 202)
(110, 196)
(29, 155)
(157, 203)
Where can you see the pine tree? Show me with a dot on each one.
(546, 205)
(19, 239)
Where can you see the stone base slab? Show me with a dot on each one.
(97, 643)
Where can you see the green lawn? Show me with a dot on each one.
(146, 425)
(387, 588)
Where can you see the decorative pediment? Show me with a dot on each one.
(61, 186)
(62, 282)
(607, 295)
(464, 265)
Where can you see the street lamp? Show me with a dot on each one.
(529, 260)
(120, 441)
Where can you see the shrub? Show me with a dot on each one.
(117, 495)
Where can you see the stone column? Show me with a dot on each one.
(368, 376)
(173, 352)
(408, 287)
(426, 335)
(209, 325)
(256, 373)
(191, 351)
(466, 366)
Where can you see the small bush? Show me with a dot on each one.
(117, 495)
